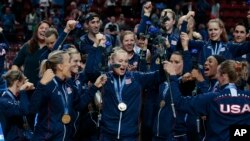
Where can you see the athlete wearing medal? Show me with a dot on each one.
(56, 100)
(121, 96)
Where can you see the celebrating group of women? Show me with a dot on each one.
(161, 97)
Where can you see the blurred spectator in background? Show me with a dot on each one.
(8, 21)
(215, 10)
(18, 10)
(201, 7)
(127, 8)
(44, 7)
(30, 21)
(121, 21)
(72, 11)
(178, 11)
(112, 28)
(110, 5)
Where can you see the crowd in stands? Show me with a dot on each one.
(124, 70)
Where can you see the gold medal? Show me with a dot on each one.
(162, 103)
(157, 61)
(122, 106)
(66, 119)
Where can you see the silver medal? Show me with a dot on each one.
(122, 106)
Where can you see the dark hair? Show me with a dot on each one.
(219, 58)
(33, 42)
(90, 16)
(12, 75)
(180, 53)
(241, 24)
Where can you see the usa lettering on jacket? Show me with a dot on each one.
(234, 108)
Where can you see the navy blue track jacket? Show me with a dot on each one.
(12, 111)
(228, 106)
(124, 124)
(226, 49)
(47, 102)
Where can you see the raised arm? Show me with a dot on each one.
(71, 24)
(147, 9)
(193, 104)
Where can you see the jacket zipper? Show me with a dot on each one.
(158, 122)
(75, 123)
(119, 126)
(64, 133)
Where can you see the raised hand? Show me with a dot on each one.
(27, 86)
(101, 80)
(169, 68)
(147, 8)
(71, 24)
(47, 76)
(100, 40)
(184, 40)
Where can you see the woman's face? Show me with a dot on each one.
(214, 31)
(41, 31)
(210, 67)
(177, 61)
(128, 42)
(66, 66)
(50, 41)
(169, 24)
(75, 62)
(240, 34)
(121, 59)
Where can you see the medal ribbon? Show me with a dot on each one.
(64, 98)
(165, 90)
(217, 49)
(118, 88)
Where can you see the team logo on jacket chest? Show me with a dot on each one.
(234, 108)
(69, 90)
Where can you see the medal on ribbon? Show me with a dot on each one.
(162, 103)
(122, 106)
(66, 119)
(118, 85)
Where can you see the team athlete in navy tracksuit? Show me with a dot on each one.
(56, 99)
(13, 106)
(217, 43)
(228, 106)
(121, 96)
(164, 122)
(82, 121)
(167, 22)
